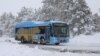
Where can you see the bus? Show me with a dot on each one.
(42, 32)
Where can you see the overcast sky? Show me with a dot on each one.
(14, 6)
(94, 5)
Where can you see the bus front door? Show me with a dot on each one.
(48, 34)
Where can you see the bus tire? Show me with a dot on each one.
(16, 38)
(56, 43)
(34, 42)
(42, 41)
(22, 40)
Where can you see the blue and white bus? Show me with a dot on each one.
(43, 32)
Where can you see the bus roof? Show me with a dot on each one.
(35, 23)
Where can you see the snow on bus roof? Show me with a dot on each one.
(35, 23)
(56, 22)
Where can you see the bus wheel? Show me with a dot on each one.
(56, 43)
(22, 40)
(42, 41)
(16, 38)
(34, 42)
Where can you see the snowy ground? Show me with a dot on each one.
(10, 47)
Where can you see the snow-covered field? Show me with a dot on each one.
(10, 47)
(86, 39)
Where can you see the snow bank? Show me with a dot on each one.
(82, 42)
(86, 39)
(6, 38)
(8, 49)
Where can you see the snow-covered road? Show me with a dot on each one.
(68, 48)
(79, 46)
(14, 49)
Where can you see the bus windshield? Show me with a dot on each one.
(60, 30)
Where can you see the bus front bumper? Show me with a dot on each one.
(54, 40)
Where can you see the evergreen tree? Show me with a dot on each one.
(11, 25)
(96, 21)
(7, 22)
(80, 16)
